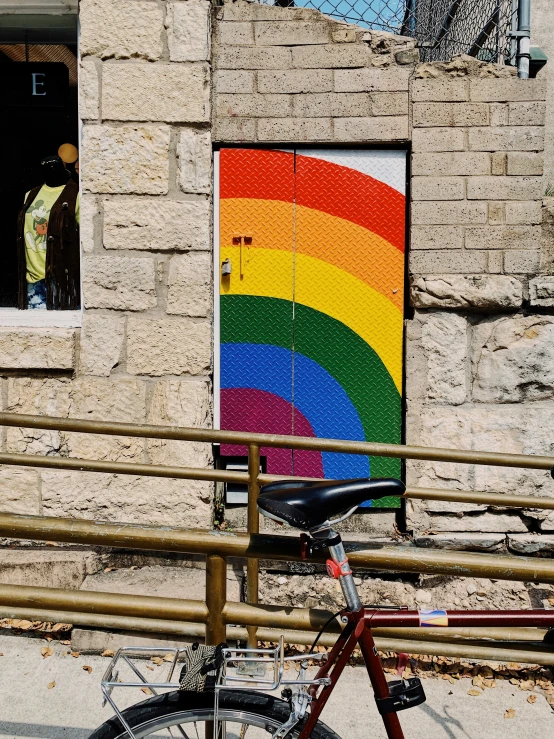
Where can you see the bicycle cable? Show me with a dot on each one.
(325, 625)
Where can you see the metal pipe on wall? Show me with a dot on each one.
(524, 39)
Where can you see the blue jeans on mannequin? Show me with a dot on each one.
(36, 295)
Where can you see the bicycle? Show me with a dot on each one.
(213, 690)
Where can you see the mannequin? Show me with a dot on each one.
(48, 241)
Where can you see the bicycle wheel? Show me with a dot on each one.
(184, 715)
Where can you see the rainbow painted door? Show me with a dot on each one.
(311, 255)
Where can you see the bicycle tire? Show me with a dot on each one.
(251, 709)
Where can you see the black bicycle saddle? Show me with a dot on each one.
(309, 504)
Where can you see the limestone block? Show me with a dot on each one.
(126, 159)
(526, 114)
(190, 284)
(234, 129)
(449, 164)
(445, 506)
(483, 522)
(444, 343)
(480, 292)
(513, 360)
(121, 283)
(504, 188)
(88, 90)
(89, 212)
(498, 114)
(292, 33)
(168, 346)
(295, 80)
(524, 162)
(548, 523)
(188, 30)
(518, 262)
(506, 138)
(446, 428)
(507, 89)
(330, 104)
(389, 103)
(234, 80)
(295, 129)
(531, 544)
(450, 114)
(441, 89)
(437, 237)
(244, 57)
(37, 348)
(472, 542)
(195, 161)
(372, 80)
(438, 139)
(541, 291)
(503, 237)
(437, 188)
(19, 491)
(378, 128)
(525, 211)
(239, 10)
(52, 569)
(447, 214)
(148, 500)
(127, 28)
(175, 93)
(254, 106)
(332, 56)
(238, 33)
(101, 343)
(448, 261)
(156, 224)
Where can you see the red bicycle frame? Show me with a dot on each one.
(358, 631)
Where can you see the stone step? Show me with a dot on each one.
(49, 568)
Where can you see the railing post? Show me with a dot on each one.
(252, 565)
(216, 596)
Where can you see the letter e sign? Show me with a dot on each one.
(34, 85)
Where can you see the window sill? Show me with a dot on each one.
(12, 317)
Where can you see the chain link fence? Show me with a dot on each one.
(443, 28)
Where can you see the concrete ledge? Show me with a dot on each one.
(37, 348)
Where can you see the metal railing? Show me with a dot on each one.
(217, 617)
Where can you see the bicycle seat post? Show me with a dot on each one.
(338, 565)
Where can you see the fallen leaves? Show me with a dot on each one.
(510, 713)
(474, 692)
(108, 653)
(46, 652)
(51, 685)
(531, 698)
(75, 654)
(87, 668)
(147, 691)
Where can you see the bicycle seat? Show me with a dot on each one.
(306, 505)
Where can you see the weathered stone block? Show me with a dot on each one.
(498, 114)
(241, 11)
(439, 213)
(292, 33)
(295, 129)
(188, 30)
(88, 90)
(507, 89)
(372, 80)
(453, 262)
(101, 343)
(89, 212)
(126, 159)
(449, 164)
(478, 292)
(235, 57)
(149, 500)
(378, 128)
(504, 188)
(195, 161)
(524, 162)
(51, 569)
(234, 129)
(155, 92)
(295, 80)
(444, 343)
(526, 114)
(506, 138)
(190, 284)
(437, 139)
(450, 114)
(437, 237)
(168, 346)
(523, 211)
(522, 262)
(437, 188)
(441, 89)
(19, 491)
(330, 104)
(333, 56)
(254, 106)
(530, 544)
(121, 283)
(483, 522)
(541, 291)
(498, 163)
(36, 348)
(471, 542)
(389, 103)
(156, 224)
(234, 80)
(237, 33)
(503, 237)
(128, 28)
